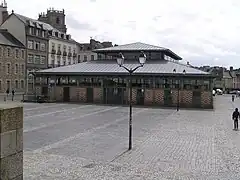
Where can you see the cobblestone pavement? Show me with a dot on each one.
(90, 142)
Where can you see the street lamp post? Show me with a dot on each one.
(179, 83)
(120, 62)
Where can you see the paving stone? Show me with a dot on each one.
(184, 145)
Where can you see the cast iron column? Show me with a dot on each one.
(130, 110)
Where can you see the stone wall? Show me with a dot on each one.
(149, 97)
(97, 95)
(152, 97)
(11, 141)
(206, 99)
(159, 96)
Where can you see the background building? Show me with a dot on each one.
(55, 18)
(12, 63)
(62, 49)
(85, 50)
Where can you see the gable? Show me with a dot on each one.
(11, 23)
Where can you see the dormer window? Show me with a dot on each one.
(67, 37)
(62, 36)
(50, 33)
(56, 34)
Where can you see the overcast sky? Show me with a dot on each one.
(202, 32)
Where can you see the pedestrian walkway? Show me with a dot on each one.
(167, 144)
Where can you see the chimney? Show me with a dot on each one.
(4, 16)
(188, 63)
(231, 68)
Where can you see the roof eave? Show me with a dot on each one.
(122, 73)
(174, 55)
(170, 53)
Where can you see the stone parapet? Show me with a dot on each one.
(11, 142)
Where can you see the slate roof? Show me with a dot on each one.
(227, 75)
(138, 46)
(39, 24)
(8, 39)
(110, 67)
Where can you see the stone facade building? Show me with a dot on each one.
(12, 63)
(34, 37)
(47, 47)
(162, 81)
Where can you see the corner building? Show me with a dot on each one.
(160, 82)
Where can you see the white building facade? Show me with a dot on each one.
(62, 50)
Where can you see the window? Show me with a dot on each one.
(64, 47)
(17, 53)
(69, 60)
(38, 32)
(92, 57)
(37, 45)
(59, 47)
(8, 84)
(43, 47)
(8, 52)
(16, 68)
(43, 60)
(43, 34)
(30, 44)
(23, 54)
(37, 59)
(8, 68)
(22, 84)
(69, 49)
(85, 58)
(30, 58)
(53, 45)
(22, 68)
(0, 85)
(16, 84)
(30, 30)
(57, 20)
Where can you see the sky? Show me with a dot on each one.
(203, 32)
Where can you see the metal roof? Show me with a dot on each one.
(137, 46)
(133, 46)
(107, 67)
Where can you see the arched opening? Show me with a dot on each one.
(58, 20)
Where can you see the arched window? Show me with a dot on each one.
(58, 20)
